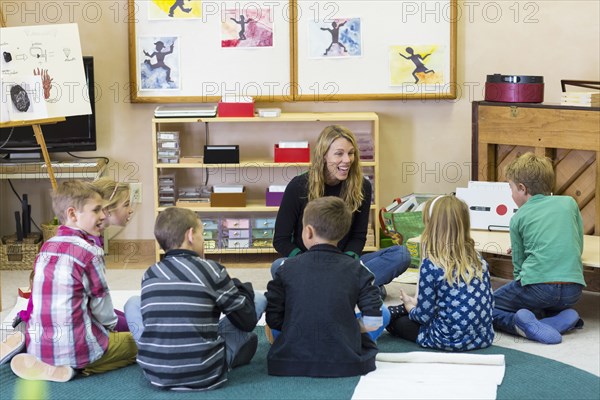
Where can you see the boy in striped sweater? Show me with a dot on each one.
(182, 343)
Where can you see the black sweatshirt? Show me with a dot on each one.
(312, 301)
(287, 239)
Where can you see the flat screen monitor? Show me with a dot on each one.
(76, 133)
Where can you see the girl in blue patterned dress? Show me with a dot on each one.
(453, 308)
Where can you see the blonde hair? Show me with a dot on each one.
(447, 242)
(113, 192)
(73, 193)
(352, 188)
(329, 216)
(534, 172)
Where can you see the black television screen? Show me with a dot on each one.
(76, 133)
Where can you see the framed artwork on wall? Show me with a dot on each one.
(297, 50)
(377, 50)
(241, 48)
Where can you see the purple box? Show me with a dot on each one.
(273, 199)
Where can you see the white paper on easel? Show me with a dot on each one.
(51, 54)
(490, 204)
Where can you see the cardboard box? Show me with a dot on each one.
(228, 199)
(291, 154)
(236, 109)
(229, 154)
(273, 199)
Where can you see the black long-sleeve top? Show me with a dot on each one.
(312, 302)
(287, 238)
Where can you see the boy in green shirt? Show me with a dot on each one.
(546, 237)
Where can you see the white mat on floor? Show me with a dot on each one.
(411, 275)
(427, 375)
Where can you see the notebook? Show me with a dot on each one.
(197, 110)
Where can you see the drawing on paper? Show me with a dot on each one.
(174, 9)
(422, 64)
(46, 81)
(160, 66)
(252, 27)
(340, 37)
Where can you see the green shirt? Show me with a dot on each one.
(546, 237)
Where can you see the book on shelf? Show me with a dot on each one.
(581, 95)
(181, 111)
(580, 104)
(580, 99)
(228, 188)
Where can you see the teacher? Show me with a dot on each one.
(335, 171)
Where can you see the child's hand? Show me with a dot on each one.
(409, 302)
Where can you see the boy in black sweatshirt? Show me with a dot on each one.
(312, 301)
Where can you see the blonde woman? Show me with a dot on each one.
(453, 310)
(335, 171)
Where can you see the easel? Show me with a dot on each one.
(39, 137)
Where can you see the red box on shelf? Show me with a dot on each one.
(235, 109)
(292, 154)
(273, 199)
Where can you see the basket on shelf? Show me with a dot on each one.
(49, 230)
(19, 255)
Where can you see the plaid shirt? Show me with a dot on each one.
(69, 273)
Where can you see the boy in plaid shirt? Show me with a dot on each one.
(71, 326)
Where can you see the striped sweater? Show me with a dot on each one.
(182, 298)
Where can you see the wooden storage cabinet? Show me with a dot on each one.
(256, 138)
(570, 136)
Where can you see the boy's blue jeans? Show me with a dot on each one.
(386, 264)
(234, 337)
(543, 299)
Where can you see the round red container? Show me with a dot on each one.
(514, 88)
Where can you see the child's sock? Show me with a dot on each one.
(397, 311)
(26, 366)
(563, 321)
(11, 346)
(527, 325)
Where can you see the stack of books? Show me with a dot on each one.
(580, 99)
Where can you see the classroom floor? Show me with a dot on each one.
(580, 348)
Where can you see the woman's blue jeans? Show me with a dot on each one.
(386, 264)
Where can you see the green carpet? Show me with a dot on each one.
(527, 377)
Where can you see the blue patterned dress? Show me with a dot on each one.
(453, 318)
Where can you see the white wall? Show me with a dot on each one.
(426, 145)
